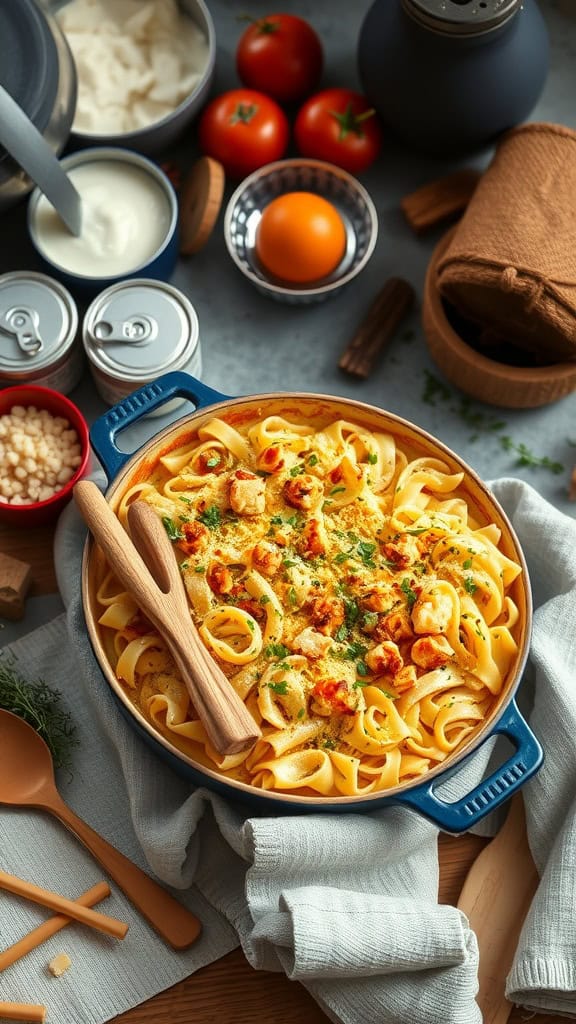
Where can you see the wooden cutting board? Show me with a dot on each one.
(495, 898)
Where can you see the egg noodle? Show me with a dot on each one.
(344, 587)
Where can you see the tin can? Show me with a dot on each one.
(136, 330)
(38, 327)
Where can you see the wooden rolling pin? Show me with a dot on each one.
(156, 585)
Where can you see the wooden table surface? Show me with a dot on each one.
(229, 991)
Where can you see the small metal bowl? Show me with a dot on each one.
(300, 175)
(155, 137)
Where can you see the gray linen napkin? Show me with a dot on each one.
(347, 905)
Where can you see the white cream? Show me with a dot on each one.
(125, 219)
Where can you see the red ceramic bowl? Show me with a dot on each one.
(38, 512)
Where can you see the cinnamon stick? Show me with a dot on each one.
(50, 927)
(391, 304)
(35, 893)
(23, 1011)
(439, 200)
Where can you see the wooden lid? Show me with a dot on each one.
(489, 380)
(200, 202)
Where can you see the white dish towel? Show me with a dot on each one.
(347, 905)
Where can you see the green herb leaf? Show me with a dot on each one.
(171, 529)
(39, 705)
(406, 589)
(211, 517)
(281, 687)
(276, 651)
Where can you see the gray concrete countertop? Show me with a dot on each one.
(253, 344)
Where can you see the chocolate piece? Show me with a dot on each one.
(15, 580)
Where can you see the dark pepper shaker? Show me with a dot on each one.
(449, 76)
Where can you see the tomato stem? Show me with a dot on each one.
(264, 25)
(244, 112)
(351, 122)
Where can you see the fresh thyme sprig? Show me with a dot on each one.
(39, 705)
(437, 390)
(527, 458)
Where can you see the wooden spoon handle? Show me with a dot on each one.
(228, 724)
(495, 898)
(175, 923)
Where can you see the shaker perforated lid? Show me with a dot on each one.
(28, 60)
(462, 17)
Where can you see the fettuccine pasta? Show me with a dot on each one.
(360, 607)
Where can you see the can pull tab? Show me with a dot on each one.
(23, 323)
(135, 329)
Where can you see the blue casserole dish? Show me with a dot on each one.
(420, 795)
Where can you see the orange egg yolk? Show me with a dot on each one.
(300, 238)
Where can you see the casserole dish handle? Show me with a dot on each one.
(460, 815)
(139, 403)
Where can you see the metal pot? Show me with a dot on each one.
(126, 469)
(38, 71)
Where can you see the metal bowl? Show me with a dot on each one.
(300, 175)
(157, 136)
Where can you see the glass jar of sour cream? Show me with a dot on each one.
(129, 221)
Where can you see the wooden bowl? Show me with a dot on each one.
(491, 381)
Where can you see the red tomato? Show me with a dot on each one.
(244, 130)
(339, 126)
(282, 56)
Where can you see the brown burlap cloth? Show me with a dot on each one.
(511, 265)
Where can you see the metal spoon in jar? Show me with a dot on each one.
(147, 567)
(27, 780)
(29, 148)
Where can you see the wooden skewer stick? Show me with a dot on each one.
(48, 928)
(53, 900)
(23, 1011)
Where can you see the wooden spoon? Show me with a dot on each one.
(156, 586)
(27, 779)
(495, 898)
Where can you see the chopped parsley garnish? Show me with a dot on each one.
(313, 459)
(281, 687)
(361, 668)
(365, 551)
(211, 517)
(213, 462)
(297, 470)
(372, 458)
(369, 620)
(337, 490)
(187, 501)
(467, 564)
(276, 651)
(469, 586)
(264, 599)
(171, 529)
(406, 589)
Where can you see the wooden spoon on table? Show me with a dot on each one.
(148, 568)
(495, 898)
